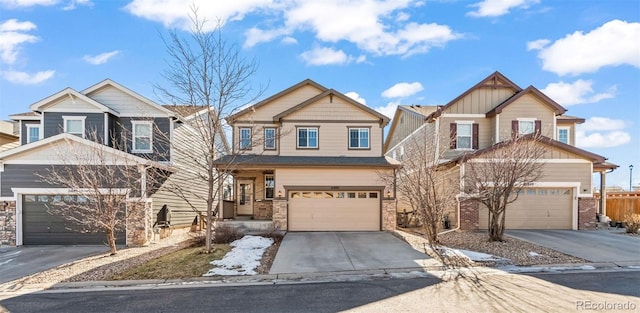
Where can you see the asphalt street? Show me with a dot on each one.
(450, 292)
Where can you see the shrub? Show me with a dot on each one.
(198, 239)
(274, 233)
(226, 234)
(632, 222)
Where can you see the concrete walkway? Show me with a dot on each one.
(592, 245)
(314, 252)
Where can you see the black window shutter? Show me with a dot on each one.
(453, 132)
(474, 135)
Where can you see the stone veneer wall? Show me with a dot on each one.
(263, 210)
(279, 207)
(8, 223)
(469, 215)
(388, 214)
(138, 223)
(586, 213)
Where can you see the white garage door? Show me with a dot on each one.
(334, 211)
(537, 208)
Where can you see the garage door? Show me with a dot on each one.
(334, 211)
(538, 208)
(42, 228)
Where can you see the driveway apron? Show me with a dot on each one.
(312, 252)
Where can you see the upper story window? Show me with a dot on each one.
(245, 138)
(563, 134)
(307, 137)
(358, 138)
(269, 186)
(142, 136)
(464, 135)
(269, 138)
(74, 125)
(33, 133)
(524, 126)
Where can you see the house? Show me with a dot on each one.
(123, 126)
(310, 158)
(8, 137)
(485, 117)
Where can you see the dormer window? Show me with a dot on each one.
(142, 136)
(74, 125)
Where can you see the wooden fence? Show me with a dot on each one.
(619, 204)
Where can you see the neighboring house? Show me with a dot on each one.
(310, 159)
(108, 116)
(8, 137)
(492, 112)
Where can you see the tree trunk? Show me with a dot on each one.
(112, 241)
(496, 226)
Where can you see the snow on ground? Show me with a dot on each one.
(471, 255)
(243, 259)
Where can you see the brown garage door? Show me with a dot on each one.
(42, 228)
(537, 208)
(334, 211)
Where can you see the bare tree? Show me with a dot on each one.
(206, 71)
(497, 175)
(100, 179)
(428, 189)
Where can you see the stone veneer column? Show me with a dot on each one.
(280, 213)
(469, 214)
(8, 223)
(388, 214)
(586, 213)
(138, 223)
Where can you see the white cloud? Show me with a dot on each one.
(577, 92)
(328, 56)
(388, 110)
(401, 90)
(26, 78)
(26, 3)
(100, 58)
(73, 4)
(602, 132)
(537, 44)
(493, 8)
(12, 36)
(612, 44)
(355, 96)
(289, 41)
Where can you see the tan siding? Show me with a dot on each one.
(326, 177)
(406, 124)
(485, 136)
(257, 134)
(332, 140)
(527, 107)
(268, 111)
(568, 172)
(480, 101)
(122, 102)
(572, 131)
(331, 108)
(65, 104)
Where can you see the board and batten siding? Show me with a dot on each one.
(480, 101)
(124, 103)
(527, 107)
(54, 124)
(268, 111)
(406, 124)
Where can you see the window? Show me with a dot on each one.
(74, 125)
(358, 138)
(526, 127)
(463, 136)
(308, 137)
(563, 134)
(269, 186)
(33, 133)
(269, 138)
(142, 136)
(245, 138)
(373, 195)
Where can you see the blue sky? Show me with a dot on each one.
(583, 54)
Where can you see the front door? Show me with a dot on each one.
(245, 197)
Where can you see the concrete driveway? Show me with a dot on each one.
(594, 246)
(312, 252)
(18, 262)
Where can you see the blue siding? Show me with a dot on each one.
(161, 146)
(53, 123)
(23, 130)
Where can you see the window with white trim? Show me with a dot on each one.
(245, 138)
(74, 125)
(307, 137)
(464, 135)
(33, 133)
(563, 134)
(142, 139)
(270, 138)
(358, 138)
(526, 127)
(269, 186)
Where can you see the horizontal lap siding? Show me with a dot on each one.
(568, 172)
(54, 124)
(21, 176)
(122, 102)
(406, 123)
(526, 107)
(268, 111)
(327, 177)
(161, 146)
(333, 140)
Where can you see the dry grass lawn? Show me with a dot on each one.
(184, 263)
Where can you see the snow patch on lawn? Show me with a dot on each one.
(243, 259)
(471, 255)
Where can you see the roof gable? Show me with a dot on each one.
(422, 111)
(533, 91)
(331, 94)
(125, 106)
(253, 108)
(49, 101)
